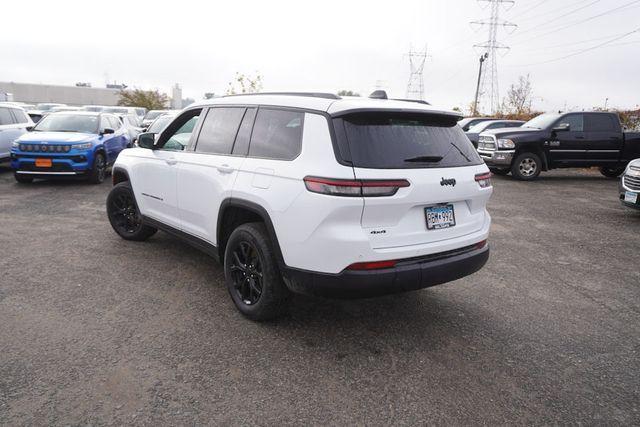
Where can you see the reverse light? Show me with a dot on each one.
(354, 187)
(374, 265)
(484, 179)
(506, 143)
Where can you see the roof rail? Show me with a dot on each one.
(419, 101)
(308, 94)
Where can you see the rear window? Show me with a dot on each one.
(383, 140)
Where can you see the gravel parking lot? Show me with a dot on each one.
(97, 330)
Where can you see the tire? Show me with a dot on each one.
(499, 171)
(526, 167)
(98, 170)
(252, 274)
(611, 172)
(22, 179)
(124, 214)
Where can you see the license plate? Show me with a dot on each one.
(43, 163)
(630, 197)
(440, 217)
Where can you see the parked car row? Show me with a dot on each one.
(549, 141)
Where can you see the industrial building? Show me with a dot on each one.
(71, 95)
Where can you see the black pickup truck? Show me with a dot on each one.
(549, 141)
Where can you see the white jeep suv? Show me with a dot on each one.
(311, 193)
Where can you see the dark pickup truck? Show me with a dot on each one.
(569, 140)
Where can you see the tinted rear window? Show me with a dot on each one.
(600, 123)
(219, 130)
(383, 140)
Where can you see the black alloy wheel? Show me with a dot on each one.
(99, 170)
(122, 209)
(246, 272)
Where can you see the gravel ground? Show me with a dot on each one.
(97, 330)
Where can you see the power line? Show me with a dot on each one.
(524, 12)
(528, 18)
(575, 43)
(584, 50)
(581, 21)
(557, 18)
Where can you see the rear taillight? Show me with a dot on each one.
(375, 265)
(481, 244)
(354, 187)
(484, 179)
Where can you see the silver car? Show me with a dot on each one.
(13, 123)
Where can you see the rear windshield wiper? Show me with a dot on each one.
(460, 151)
(424, 159)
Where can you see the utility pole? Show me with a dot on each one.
(475, 100)
(489, 78)
(415, 87)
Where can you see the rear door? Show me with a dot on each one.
(605, 138)
(207, 172)
(430, 152)
(9, 131)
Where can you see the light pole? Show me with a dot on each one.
(475, 101)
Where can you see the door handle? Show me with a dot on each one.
(171, 162)
(225, 168)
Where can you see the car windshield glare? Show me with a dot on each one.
(542, 121)
(68, 123)
(479, 127)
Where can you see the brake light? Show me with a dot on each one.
(375, 265)
(481, 244)
(354, 187)
(484, 179)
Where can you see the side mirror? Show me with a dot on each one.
(106, 131)
(29, 128)
(562, 127)
(146, 140)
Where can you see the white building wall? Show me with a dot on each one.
(71, 95)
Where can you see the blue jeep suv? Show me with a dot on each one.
(69, 144)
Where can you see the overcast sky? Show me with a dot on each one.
(325, 46)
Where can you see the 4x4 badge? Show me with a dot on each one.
(450, 181)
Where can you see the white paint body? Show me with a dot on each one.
(316, 232)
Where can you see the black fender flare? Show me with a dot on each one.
(258, 210)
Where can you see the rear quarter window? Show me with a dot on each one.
(390, 140)
(277, 134)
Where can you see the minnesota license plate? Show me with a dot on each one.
(43, 163)
(440, 217)
(630, 197)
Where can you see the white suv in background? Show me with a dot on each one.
(311, 193)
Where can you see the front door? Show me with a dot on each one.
(155, 178)
(568, 147)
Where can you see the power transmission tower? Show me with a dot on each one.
(489, 93)
(415, 87)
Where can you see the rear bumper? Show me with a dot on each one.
(497, 157)
(408, 275)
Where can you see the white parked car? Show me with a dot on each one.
(14, 122)
(311, 193)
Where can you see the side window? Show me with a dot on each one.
(513, 125)
(177, 134)
(114, 122)
(575, 121)
(277, 134)
(496, 125)
(241, 146)
(5, 117)
(600, 123)
(219, 130)
(19, 116)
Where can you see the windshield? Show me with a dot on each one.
(405, 140)
(68, 123)
(153, 114)
(46, 107)
(116, 110)
(542, 121)
(158, 125)
(479, 127)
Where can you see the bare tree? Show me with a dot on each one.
(519, 98)
(245, 84)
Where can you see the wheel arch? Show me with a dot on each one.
(234, 212)
(119, 174)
